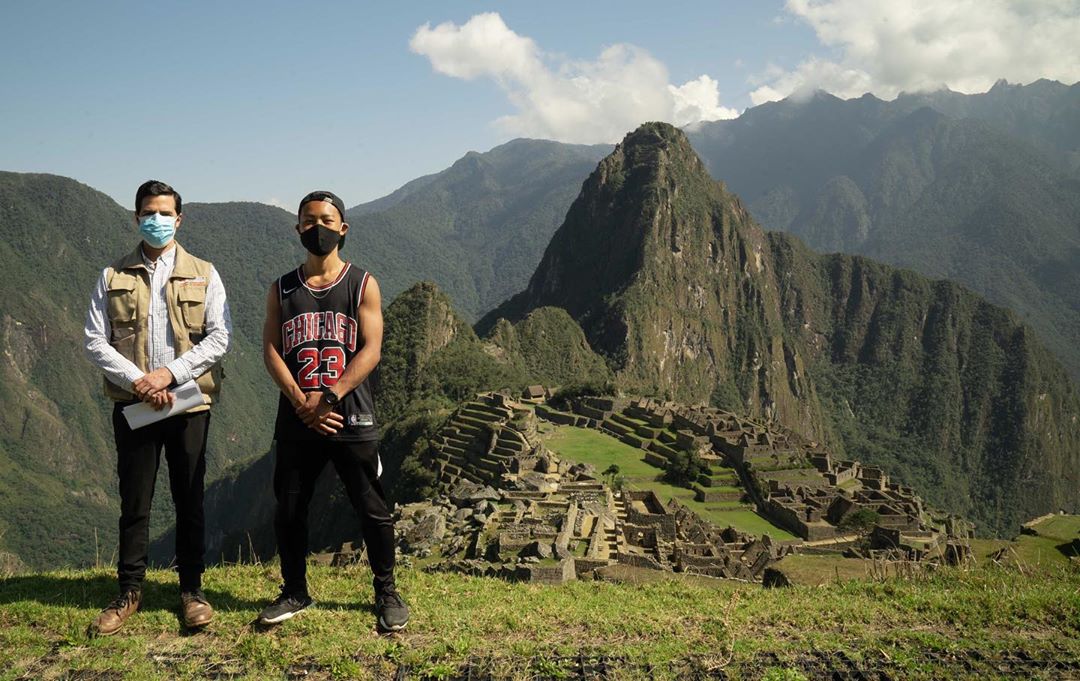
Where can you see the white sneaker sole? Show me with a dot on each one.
(385, 627)
(283, 617)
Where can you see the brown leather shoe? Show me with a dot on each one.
(113, 616)
(197, 610)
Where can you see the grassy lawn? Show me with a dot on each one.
(730, 506)
(1052, 545)
(814, 570)
(1031, 549)
(982, 549)
(665, 629)
(1062, 527)
(601, 450)
(746, 520)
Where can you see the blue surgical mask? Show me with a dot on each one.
(157, 229)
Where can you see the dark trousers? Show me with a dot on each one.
(296, 470)
(138, 454)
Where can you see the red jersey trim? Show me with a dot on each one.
(363, 288)
(340, 276)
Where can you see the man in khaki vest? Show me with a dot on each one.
(157, 319)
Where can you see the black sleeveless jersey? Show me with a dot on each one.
(320, 334)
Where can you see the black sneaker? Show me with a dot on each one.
(391, 608)
(284, 606)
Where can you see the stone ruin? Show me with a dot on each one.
(791, 481)
(511, 508)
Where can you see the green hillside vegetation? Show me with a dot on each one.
(688, 299)
(53, 432)
(951, 623)
(919, 366)
(477, 228)
(549, 347)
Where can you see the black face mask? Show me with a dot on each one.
(321, 240)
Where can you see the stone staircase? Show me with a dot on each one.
(480, 441)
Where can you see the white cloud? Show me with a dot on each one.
(699, 100)
(483, 46)
(889, 46)
(563, 99)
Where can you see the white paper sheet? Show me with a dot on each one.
(142, 414)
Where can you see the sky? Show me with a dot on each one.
(265, 101)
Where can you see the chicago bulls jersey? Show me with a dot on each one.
(320, 334)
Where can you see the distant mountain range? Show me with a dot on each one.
(978, 188)
(982, 189)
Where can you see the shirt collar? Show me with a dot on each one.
(166, 259)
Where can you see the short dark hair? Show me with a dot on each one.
(156, 188)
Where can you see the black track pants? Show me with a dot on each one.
(296, 470)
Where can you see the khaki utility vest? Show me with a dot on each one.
(128, 288)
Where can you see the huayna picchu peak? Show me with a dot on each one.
(669, 278)
(687, 298)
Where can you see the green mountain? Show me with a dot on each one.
(665, 272)
(688, 298)
(477, 228)
(982, 189)
(56, 481)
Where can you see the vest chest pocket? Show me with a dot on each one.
(123, 339)
(192, 300)
(121, 297)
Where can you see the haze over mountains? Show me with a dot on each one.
(896, 369)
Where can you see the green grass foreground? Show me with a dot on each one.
(670, 627)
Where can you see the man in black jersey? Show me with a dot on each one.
(321, 340)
